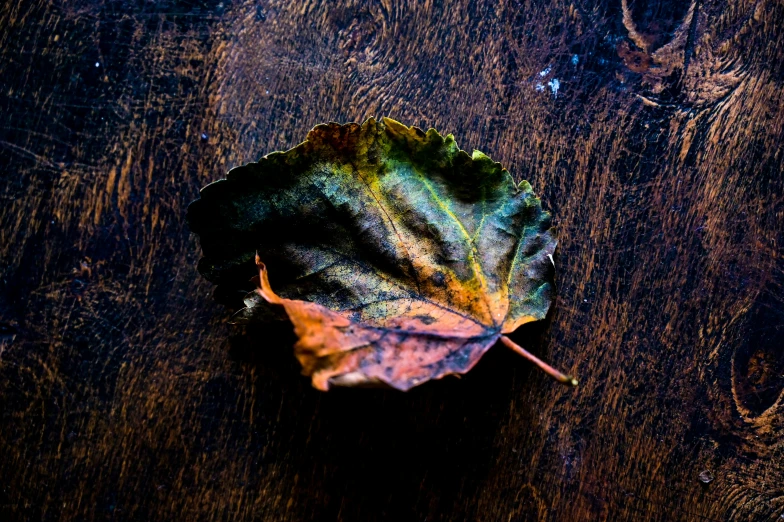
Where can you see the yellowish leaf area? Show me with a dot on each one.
(398, 257)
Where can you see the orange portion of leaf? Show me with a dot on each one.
(405, 351)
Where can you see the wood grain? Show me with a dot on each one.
(653, 132)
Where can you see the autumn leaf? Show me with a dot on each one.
(398, 257)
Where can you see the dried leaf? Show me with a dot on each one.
(397, 256)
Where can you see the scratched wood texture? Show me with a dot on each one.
(652, 130)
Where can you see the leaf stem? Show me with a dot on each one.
(546, 368)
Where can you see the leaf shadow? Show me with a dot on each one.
(435, 443)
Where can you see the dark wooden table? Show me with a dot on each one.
(652, 130)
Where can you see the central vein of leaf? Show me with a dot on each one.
(475, 265)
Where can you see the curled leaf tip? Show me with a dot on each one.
(398, 257)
